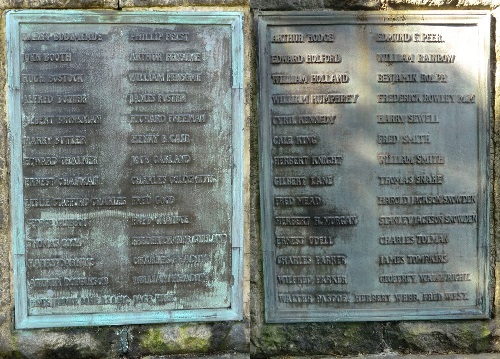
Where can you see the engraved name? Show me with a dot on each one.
(47, 57)
(330, 78)
(158, 219)
(425, 98)
(68, 222)
(408, 118)
(319, 160)
(154, 138)
(416, 159)
(48, 78)
(134, 98)
(308, 58)
(63, 161)
(407, 37)
(445, 296)
(298, 201)
(62, 120)
(59, 99)
(171, 259)
(68, 281)
(42, 243)
(168, 118)
(429, 238)
(415, 219)
(423, 58)
(180, 239)
(417, 179)
(426, 199)
(304, 99)
(295, 140)
(316, 221)
(62, 36)
(412, 77)
(161, 278)
(405, 139)
(300, 241)
(149, 199)
(304, 120)
(333, 259)
(167, 57)
(313, 298)
(76, 262)
(444, 277)
(159, 36)
(53, 141)
(160, 159)
(371, 298)
(164, 77)
(174, 179)
(413, 259)
(75, 201)
(299, 37)
(326, 279)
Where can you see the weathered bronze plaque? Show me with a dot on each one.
(126, 166)
(374, 165)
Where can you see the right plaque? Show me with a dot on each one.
(374, 155)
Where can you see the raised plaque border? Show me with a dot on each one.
(480, 19)
(13, 20)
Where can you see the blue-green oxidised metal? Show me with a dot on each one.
(126, 134)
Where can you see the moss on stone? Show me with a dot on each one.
(186, 341)
(273, 338)
(67, 352)
(475, 335)
(14, 354)
(153, 341)
(189, 342)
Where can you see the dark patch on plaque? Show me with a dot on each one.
(125, 209)
(374, 165)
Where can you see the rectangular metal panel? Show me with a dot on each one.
(374, 156)
(127, 167)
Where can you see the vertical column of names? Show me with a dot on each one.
(309, 87)
(427, 196)
(60, 166)
(173, 246)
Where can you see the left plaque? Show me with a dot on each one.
(126, 166)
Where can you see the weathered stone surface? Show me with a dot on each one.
(448, 4)
(229, 337)
(439, 337)
(315, 4)
(391, 355)
(59, 4)
(319, 338)
(220, 356)
(5, 239)
(74, 344)
(161, 340)
(147, 3)
(158, 341)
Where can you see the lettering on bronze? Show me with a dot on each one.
(374, 178)
(124, 206)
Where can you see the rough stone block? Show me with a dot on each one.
(58, 4)
(148, 3)
(315, 4)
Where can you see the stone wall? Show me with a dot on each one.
(252, 336)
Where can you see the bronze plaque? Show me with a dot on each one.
(126, 166)
(374, 133)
